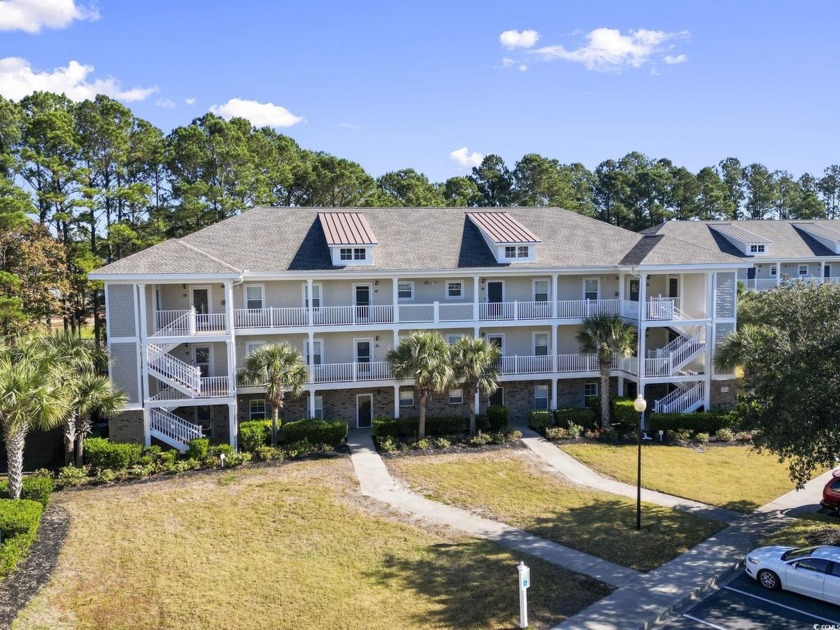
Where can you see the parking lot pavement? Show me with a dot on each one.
(744, 605)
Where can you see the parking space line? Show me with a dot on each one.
(770, 601)
(705, 623)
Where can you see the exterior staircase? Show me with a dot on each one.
(687, 397)
(671, 359)
(171, 429)
(177, 374)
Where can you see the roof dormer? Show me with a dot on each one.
(509, 240)
(748, 243)
(349, 237)
(821, 232)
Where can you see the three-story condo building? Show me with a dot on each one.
(343, 286)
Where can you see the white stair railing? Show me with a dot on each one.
(176, 371)
(172, 323)
(681, 400)
(174, 427)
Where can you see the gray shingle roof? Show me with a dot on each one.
(272, 240)
(788, 241)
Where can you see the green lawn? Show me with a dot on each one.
(734, 477)
(814, 529)
(510, 487)
(293, 546)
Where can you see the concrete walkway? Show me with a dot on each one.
(376, 482)
(580, 474)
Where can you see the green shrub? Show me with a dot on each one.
(198, 448)
(573, 415)
(299, 449)
(539, 419)
(314, 431)
(407, 427)
(623, 411)
(391, 427)
(441, 442)
(556, 433)
(421, 445)
(498, 417)
(253, 434)
(482, 422)
(167, 458)
(704, 422)
(480, 439)
(37, 487)
(724, 435)
(388, 444)
(71, 476)
(19, 521)
(678, 435)
(445, 425)
(702, 438)
(106, 475)
(102, 453)
(221, 449)
(269, 453)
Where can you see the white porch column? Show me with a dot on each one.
(233, 426)
(620, 291)
(554, 296)
(310, 311)
(476, 297)
(395, 298)
(554, 347)
(229, 307)
(311, 402)
(397, 400)
(553, 393)
(147, 429)
(778, 273)
(642, 329)
(231, 366)
(310, 354)
(822, 270)
(476, 403)
(620, 386)
(143, 332)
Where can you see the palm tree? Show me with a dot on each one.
(734, 351)
(93, 394)
(81, 357)
(277, 367)
(606, 335)
(424, 357)
(476, 366)
(31, 398)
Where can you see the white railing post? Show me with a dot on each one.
(436, 312)
(191, 325)
(515, 310)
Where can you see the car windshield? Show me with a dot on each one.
(796, 554)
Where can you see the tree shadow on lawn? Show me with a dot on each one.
(743, 505)
(607, 529)
(474, 585)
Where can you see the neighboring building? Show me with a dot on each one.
(776, 251)
(344, 285)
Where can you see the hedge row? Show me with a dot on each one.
(102, 453)
(330, 432)
(702, 422)
(35, 488)
(254, 434)
(18, 525)
(406, 427)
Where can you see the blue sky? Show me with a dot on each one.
(407, 84)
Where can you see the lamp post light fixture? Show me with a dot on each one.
(640, 404)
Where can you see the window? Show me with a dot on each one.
(498, 397)
(253, 297)
(316, 296)
(250, 346)
(590, 390)
(256, 410)
(522, 251)
(456, 397)
(405, 290)
(818, 565)
(756, 249)
(541, 397)
(317, 352)
(773, 271)
(540, 290)
(510, 252)
(406, 398)
(541, 344)
(450, 339)
(803, 270)
(359, 254)
(454, 289)
(590, 289)
(319, 407)
(346, 253)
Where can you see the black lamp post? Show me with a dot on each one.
(640, 404)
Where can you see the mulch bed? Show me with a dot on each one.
(34, 571)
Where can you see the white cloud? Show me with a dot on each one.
(33, 15)
(466, 159)
(165, 103)
(507, 62)
(607, 49)
(349, 125)
(189, 101)
(519, 39)
(670, 59)
(17, 79)
(260, 114)
(522, 67)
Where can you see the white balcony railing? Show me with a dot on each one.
(350, 372)
(526, 364)
(183, 323)
(212, 386)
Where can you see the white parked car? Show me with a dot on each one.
(811, 571)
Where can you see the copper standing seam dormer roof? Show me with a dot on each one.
(502, 228)
(346, 228)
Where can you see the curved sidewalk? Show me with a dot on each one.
(580, 474)
(376, 482)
